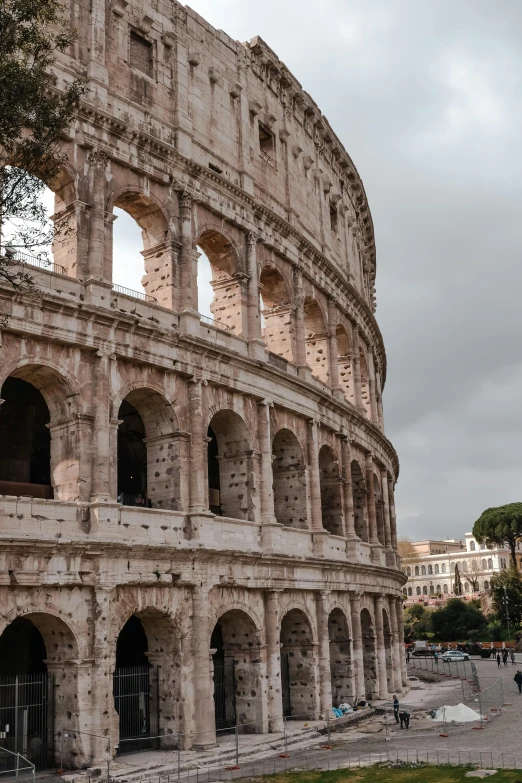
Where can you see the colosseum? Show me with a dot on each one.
(196, 514)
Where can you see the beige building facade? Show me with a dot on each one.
(430, 567)
(197, 514)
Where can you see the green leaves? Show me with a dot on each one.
(500, 526)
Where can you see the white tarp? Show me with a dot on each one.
(458, 713)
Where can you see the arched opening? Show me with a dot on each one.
(316, 341)
(297, 666)
(369, 655)
(141, 252)
(345, 364)
(276, 309)
(387, 634)
(379, 509)
(25, 441)
(230, 469)
(135, 689)
(410, 591)
(237, 673)
(360, 515)
(330, 480)
(149, 453)
(36, 653)
(365, 383)
(226, 298)
(289, 477)
(340, 658)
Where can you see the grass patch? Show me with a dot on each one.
(383, 774)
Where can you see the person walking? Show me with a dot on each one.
(518, 680)
(498, 660)
(505, 656)
(512, 656)
(396, 709)
(404, 718)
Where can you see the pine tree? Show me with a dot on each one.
(457, 583)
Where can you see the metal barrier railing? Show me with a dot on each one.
(26, 258)
(15, 765)
(120, 289)
(206, 319)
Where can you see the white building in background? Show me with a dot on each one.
(430, 567)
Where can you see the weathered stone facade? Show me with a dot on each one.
(271, 417)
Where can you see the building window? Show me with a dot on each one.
(453, 566)
(466, 587)
(416, 570)
(334, 219)
(141, 54)
(443, 568)
(486, 585)
(445, 589)
(423, 570)
(438, 590)
(471, 546)
(410, 591)
(484, 565)
(404, 591)
(425, 590)
(436, 568)
(490, 562)
(418, 591)
(432, 589)
(266, 142)
(408, 571)
(503, 563)
(482, 547)
(430, 569)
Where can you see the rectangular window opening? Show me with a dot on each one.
(141, 54)
(266, 141)
(334, 219)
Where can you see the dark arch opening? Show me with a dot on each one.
(25, 441)
(132, 457)
(340, 658)
(359, 502)
(132, 644)
(369, 655)
(22, 649)
(330, 481)
(214, 497)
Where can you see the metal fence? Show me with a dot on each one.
(26, 716)
(14, 766)
(121, 289)
(48, 266)
(206, 319)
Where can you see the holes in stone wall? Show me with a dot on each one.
(278, 328)
(379, 510)
(230, 469)
(359, 501)
(218, 281)
(289, 480)
(330, 478)
(345, 364)
(316, 341)
(369, 655)
(297, 666)
(340, 658)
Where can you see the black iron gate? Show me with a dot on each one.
(27, 717)
(285, 684)
(224, 692)
(136, 701)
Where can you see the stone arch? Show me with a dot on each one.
(150, 216)
(316, 340)
(147, 678)
(379, 509)
(330, 481)
(230, 466)
(369, 655)
(388, 639)
(360, 509)
(238, 675)
(289, 480)
(69, 222)
(298, 668)
(277, 311)
(228, 305)
(149, 450)
(341, 667)
(345, 363)
(39, 441)
(40, 650)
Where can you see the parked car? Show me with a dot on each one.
(475, 648)
(455, 655)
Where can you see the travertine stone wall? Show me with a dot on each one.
(213, 144)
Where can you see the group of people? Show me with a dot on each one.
(401, 716)
(504, 657)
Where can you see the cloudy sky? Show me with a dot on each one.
(426, 96)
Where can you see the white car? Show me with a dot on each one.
(455, 655)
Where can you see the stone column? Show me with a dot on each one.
(300, 338)
(273, 661)
(381, 652)
(101, 440)
(379, 399)
(97, 161)
(315, 481)
(396, 652)
(349, 520)
(357, 372)
(187, 299)
(104, 723)
(370, 494)
(254, 317)
(393, 521)
(373, 397)
(197, 474)
(325, 673)
(332, 345)
(265, 447)
(357, 646)
(204, 719)
(400, 629)
(390, 555)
